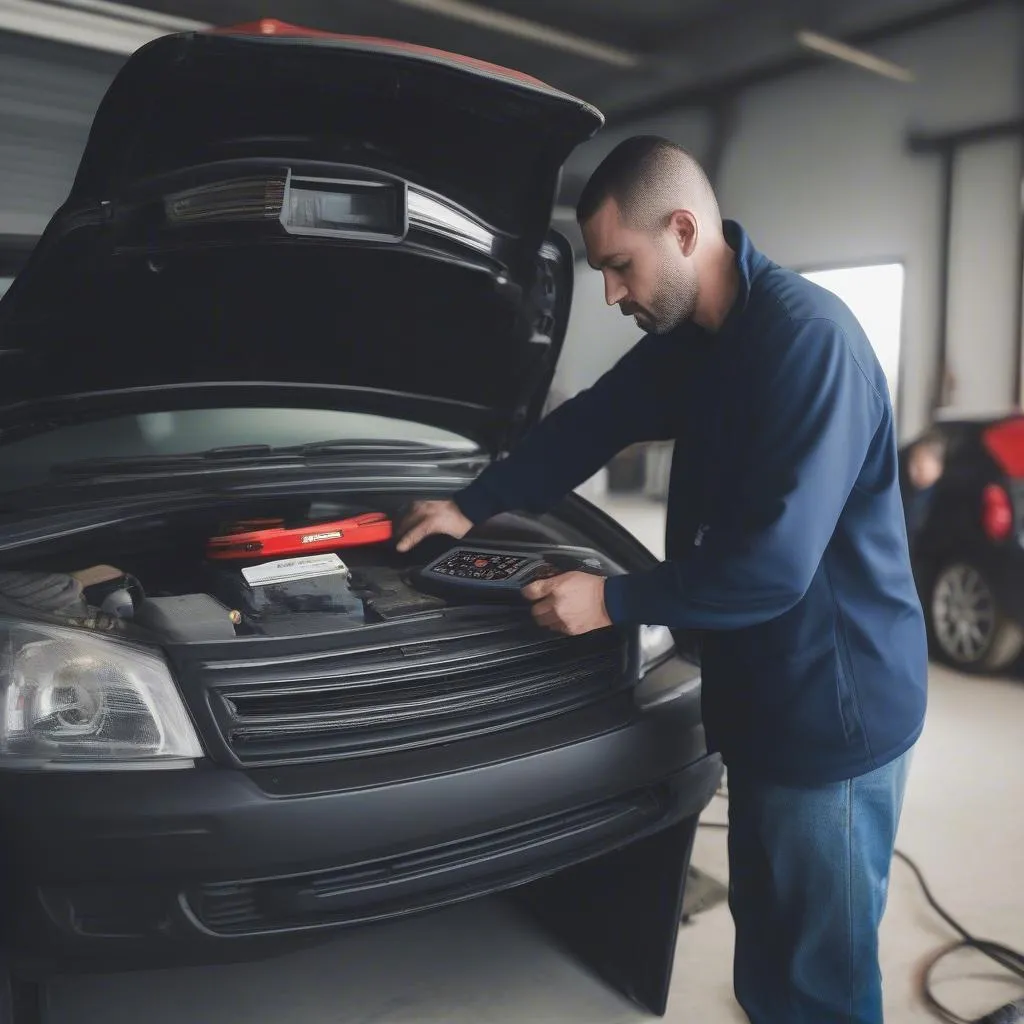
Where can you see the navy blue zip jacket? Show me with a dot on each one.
(786, 544)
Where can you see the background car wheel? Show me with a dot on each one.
(969, 629)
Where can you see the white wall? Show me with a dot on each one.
(984, 264)
(598, 335)
(819, 174)
(690, 128)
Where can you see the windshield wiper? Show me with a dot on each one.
(380, 450)
(141, 463)
(378, 446)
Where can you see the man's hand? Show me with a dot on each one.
(572, 603)
(430, 517)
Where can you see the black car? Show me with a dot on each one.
(14, 251)
(299, 282)
(967, 540)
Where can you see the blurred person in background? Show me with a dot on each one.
(925, 464)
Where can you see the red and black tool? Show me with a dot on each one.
(271, 538)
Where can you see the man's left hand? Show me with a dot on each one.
(572, 603)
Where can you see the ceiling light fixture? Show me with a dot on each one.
(851, 55)
(92, 24)
(143, 16)
(523, 28)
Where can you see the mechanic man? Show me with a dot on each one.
(787, 551)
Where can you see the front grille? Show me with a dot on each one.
(428, 877)
(369, 700)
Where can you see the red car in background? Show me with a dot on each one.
(967, 539)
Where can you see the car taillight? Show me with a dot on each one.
(304, 206)
(996, 512)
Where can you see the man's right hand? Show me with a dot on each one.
(426, 518)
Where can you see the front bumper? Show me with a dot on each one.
(152, 868)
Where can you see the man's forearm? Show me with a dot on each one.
(573, 442)
(556, 456)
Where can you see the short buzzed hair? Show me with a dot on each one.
(648, 177)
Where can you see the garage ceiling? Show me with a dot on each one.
(626, 58)
(634, 60)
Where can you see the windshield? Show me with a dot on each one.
(29, 461)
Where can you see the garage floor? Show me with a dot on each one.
(482, 963)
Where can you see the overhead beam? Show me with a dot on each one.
(531, 31)
(830, 47)
(938, 142)
(708, 92)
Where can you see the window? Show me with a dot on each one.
(5, 283)
(875, 295)
(27, 461)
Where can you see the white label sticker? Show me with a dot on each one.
(315, 538)
(290, 569)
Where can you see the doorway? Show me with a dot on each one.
(874, 293)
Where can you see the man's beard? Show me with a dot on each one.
(674, 302)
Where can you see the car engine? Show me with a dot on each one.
(197, 580)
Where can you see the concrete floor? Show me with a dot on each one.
(481, 963)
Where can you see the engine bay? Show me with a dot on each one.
(288, 570)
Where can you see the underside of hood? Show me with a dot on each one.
(316, 211)
(435, 340)
(490, 140)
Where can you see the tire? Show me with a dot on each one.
(968, 629)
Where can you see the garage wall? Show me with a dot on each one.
(598, 335)
(819, 174)
(48, 96)
(984, 264)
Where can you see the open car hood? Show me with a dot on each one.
(262, 206)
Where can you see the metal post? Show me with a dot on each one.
(1018, 397)
(947, 169)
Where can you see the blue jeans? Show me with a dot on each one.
(808, 879)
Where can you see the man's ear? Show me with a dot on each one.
(685, 230)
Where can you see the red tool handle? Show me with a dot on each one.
(371, 528)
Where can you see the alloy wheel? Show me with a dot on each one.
(963, 613)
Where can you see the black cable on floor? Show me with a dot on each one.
(1010, 959)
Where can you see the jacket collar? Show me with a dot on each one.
(750, 264)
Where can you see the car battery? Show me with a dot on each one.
(290, 596)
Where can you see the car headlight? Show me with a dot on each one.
(656, 647)
(69, 700)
